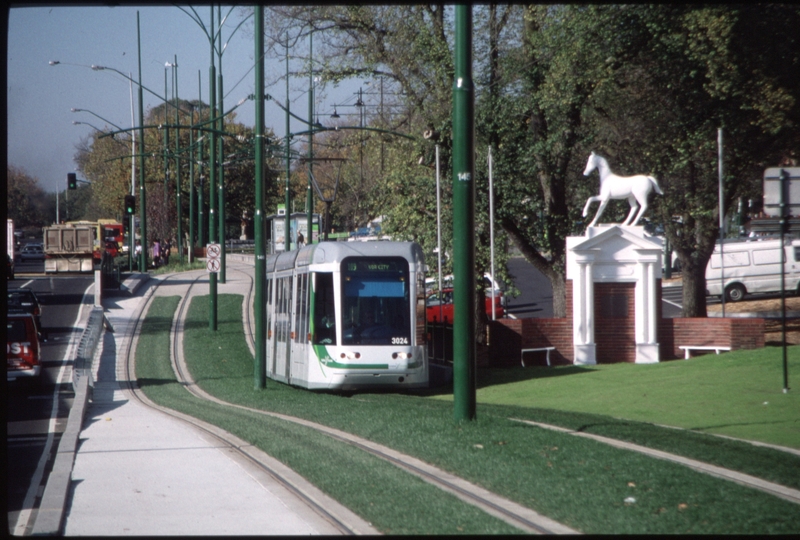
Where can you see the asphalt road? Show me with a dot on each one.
(37, 413)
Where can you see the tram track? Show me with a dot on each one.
(342, 519)
(523, 518)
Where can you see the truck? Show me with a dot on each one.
(69, 248)
(753, 266)
(106, 231)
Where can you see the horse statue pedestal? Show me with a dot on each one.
(615, 276)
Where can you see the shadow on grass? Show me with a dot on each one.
(146, 382)
(495, 376)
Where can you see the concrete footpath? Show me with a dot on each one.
(139, 471)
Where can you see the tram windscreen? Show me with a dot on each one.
(375, 301)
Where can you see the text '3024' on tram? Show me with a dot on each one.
(347, 315)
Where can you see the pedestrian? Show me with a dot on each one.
(156, 253)
(165, 249)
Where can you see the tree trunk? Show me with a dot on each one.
(552, 270)
(694, 288)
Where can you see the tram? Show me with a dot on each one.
(347, 316)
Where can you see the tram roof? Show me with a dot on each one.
(337, 251)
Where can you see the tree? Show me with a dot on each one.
(26, 200)
(688, 70)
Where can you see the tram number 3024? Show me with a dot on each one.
(399, 341)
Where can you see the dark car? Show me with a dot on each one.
(23, 354)
(26, 301)
(10, 267)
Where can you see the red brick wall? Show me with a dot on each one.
(736, 333)
(615, 336)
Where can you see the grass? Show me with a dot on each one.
(739, 394)
(579, 482)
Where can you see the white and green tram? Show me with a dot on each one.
(347, 316)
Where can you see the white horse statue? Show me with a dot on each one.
(634, 188)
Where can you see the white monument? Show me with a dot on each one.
(615, 254)
(634, 188)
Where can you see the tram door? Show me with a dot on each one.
(299, 360)
(283, 326)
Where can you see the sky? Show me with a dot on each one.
(42, 138)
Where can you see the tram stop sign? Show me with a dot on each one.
(213, 252)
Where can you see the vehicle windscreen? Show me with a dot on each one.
(15, 331)
(375, 301)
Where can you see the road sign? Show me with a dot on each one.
(213, 251)
(212, 266)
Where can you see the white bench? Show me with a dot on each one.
(715, 348)
(538, 349)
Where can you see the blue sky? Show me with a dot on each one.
(41, 133)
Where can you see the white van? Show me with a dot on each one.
(753, 267)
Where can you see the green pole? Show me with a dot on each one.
(178, 160)
(192, 154)
(463, 221)
(212, 185)
(201, 211)
(221, 183)
(260, 367)
(309, 199)
(287, 242)
(142, 197)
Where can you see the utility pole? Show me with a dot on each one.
(260, 368)
(464, 377)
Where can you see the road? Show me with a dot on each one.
(536, 294)
(37, 413)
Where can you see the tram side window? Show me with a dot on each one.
(282, 320)
(301, 309)
(324, 310)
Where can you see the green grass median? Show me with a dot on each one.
(582, 483)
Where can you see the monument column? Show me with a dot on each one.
(583, 310)
(646, 307)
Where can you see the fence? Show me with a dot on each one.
(440, 342)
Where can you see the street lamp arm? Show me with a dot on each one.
(103, 68)
(97, 115)
(196, 18)
(321, 129)
(268, 97)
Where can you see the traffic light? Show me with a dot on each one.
(130, 205)
(126, 226)
(72, 181)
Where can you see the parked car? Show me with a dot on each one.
(10, 267)
(441, 309)
(31, 251)
(26, 301)
(23, 354)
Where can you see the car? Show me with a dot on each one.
(23, 353)
(112, 248)
(26, 301)
(441, 309)
(10, 267)
(31, 252)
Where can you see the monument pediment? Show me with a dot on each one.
(613, 250)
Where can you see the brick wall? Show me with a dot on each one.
(615, 331)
